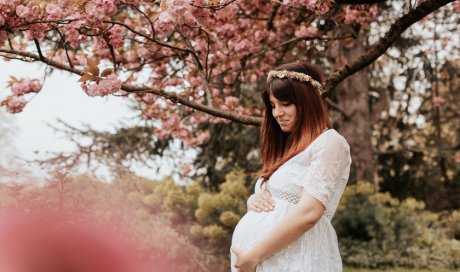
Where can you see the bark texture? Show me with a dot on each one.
(353, 98)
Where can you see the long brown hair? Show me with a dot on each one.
(277, 146)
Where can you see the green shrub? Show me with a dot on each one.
(377, 230)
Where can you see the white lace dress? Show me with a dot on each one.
(322, 169)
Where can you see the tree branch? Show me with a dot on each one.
(199, 66)
(379, 48)
(243, 119)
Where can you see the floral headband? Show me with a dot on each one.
(296, 76)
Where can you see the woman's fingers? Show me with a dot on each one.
(268, 197)
(261, 201)
(263, 205)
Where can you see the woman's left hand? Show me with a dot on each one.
(244, 262)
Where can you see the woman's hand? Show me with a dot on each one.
(244, 262)
(261, 201)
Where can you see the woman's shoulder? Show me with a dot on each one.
(332, 139)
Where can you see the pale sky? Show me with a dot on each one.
(61, 97)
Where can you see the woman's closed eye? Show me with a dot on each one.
(284, 104)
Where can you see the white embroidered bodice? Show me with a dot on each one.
(322, 170)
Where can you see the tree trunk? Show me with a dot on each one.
(353, 98)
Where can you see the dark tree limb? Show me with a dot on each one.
(244, 119)
(379, 48)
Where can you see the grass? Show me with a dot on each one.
(398, 270)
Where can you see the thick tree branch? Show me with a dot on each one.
(379, 48)
(244, 119)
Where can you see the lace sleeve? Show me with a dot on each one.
(330, 158)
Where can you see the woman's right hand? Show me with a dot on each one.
(261, 201)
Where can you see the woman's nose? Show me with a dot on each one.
(277, 112)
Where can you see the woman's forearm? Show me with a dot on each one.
(298, 221)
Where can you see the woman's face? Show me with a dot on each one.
(284, 112)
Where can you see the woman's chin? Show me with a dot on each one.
(286, 130)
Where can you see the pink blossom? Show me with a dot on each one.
(172, 121)
(97, 10)
(243, 45)
(231, 102)
(201, 45)
(162, 134)
(29, 14)
(350, 15)
(73, 36)
(259, 35)
(227, 91)
(313, 5)
(374, 9)
(438, 101)
(54, 11)
(203, 136)
(200, 138)
(204, 17)
(165, 23)
(109, 85)
(306, 32)
(228, 12)
(35, 85)
(143, 52)
(116, 36)
(228, 79)
(38, 34)
(25, 87)
(15, 104)
(22, 11)
(8, 6)
(227, 31)
(180, 133)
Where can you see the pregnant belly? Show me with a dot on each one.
(252, 227)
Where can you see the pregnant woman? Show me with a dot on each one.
(306, 165)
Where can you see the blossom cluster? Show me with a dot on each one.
(306, 32)
(313, 5)
(188, 12)
(16, 102)
(97, 10)
(360, 14)
(109, 85)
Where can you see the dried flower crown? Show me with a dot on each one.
(296, 76)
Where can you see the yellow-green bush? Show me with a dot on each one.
(377, 230)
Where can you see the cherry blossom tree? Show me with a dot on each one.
(189, 63)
